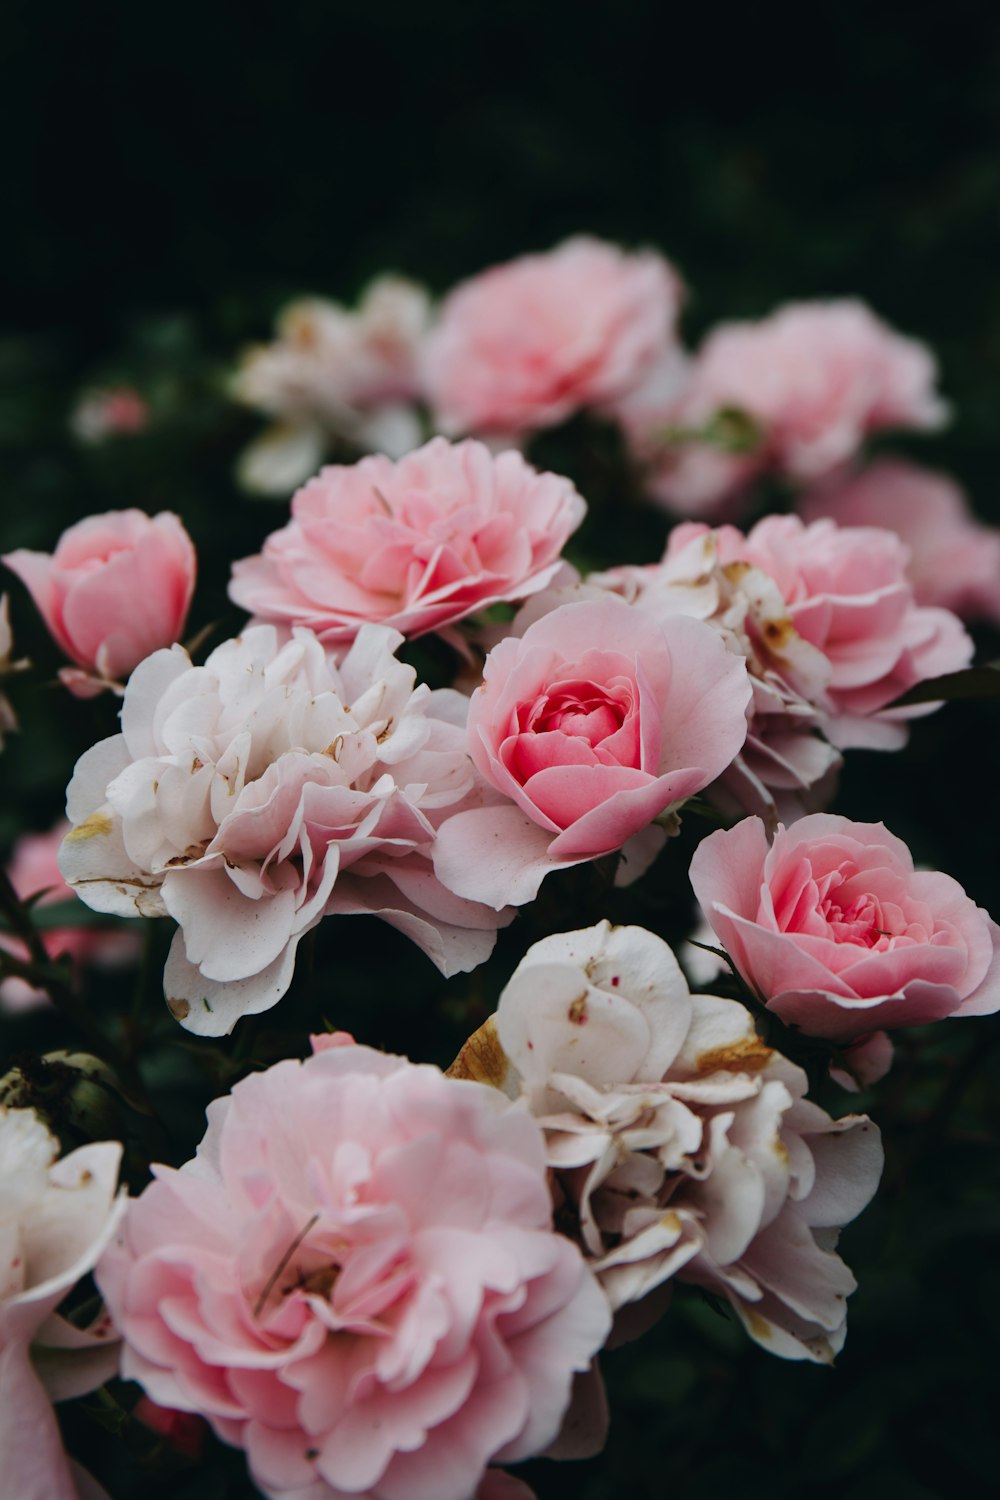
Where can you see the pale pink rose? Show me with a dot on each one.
(333, 374)
(357, 1281)
(838, 934)
(681, 1145)
(847, 595)
(596, 721)
(525, 344)
(811, 382)
(34, 868)
(954, 560)
(250, 797)
(114, 411)
(117, 587)
(56, 1218)
(418, 544)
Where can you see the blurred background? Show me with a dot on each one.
(173, 177)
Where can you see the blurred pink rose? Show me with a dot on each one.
(954, 559)
(593, 723)
(117, 587)
(56, 1216)
(417, 544)
(837, 932)
(680, 1144)
(110, 412)
(814, 380)
(34, 867)
(525, 344)
(357, 1281)
(848, 595)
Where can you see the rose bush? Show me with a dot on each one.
(357, 1281)
(416, 544)
(591, 724)
(837, 932)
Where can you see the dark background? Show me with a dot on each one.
(172, 176)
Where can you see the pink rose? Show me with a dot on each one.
(117, 588)
(592, 724)
(357, 1281)
(954, 559)
(848, 595)
(417, 544)
(838, 933)
(814, 379)
(112, 412)
(526, 344)
(34, 868)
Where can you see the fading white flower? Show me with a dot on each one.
(8, 718)
(681, 1145)
(56, 1217)
(249, 797)
(332, 373)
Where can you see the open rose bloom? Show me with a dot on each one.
(592, 724)
(56, 1217)
(334, 374)
(525, 345)
(117, 587)
(357, 1281)
(683, 1146)
(837, 932)
(418, 544)
(252, 796)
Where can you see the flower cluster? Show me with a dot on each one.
(458, 706)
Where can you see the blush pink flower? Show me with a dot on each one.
(418, 544)
(593, 723)
(56, 1216)
(252, 796)
(356, 1281)
(114, 411)
(34, 869)
(117, 587)
(837, 932)
(681, 1146)
(813, 380)
(847, 594)
(954, 559)
(526, 344)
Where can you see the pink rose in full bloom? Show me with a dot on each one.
(252, 796)
(56, 1217)
(593, 723)
(117, 587)
(418, 544)
(848, 595)
(837, 932)
(34, 867)
(681, 1146)
(813, 380)
(954, 559)
(525, 344)
(357, 1281)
